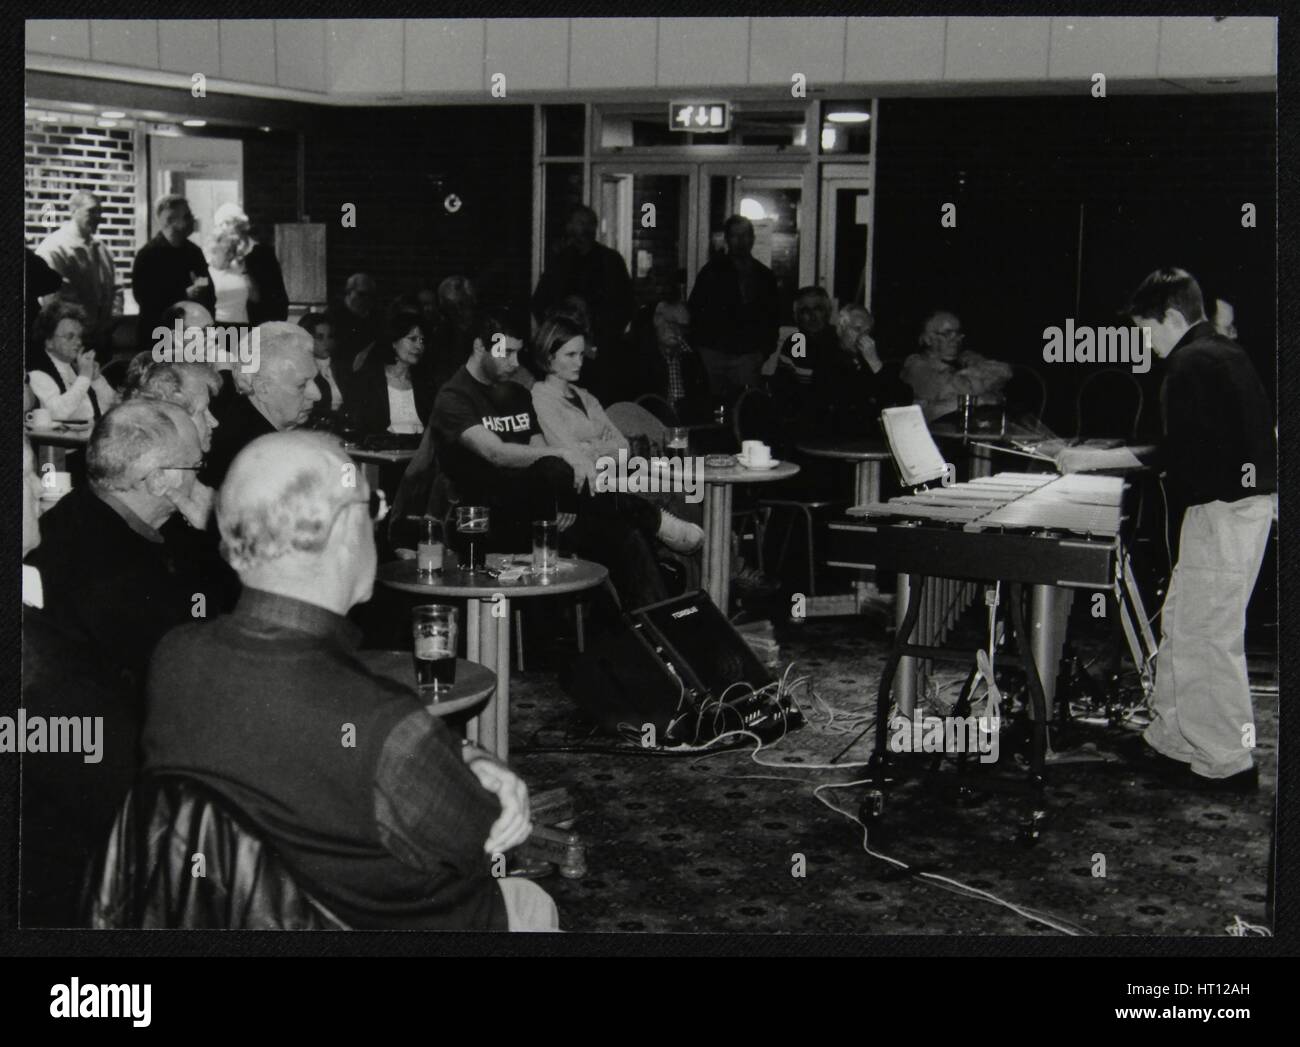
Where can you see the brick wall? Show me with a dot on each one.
(71, 154)
(398, 166)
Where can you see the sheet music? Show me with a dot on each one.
(913, 448)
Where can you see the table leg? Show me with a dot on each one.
(502, 698)
(494, 654)
(474, 653)
(717, 544)
(370, 470)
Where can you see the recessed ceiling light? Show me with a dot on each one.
(848, 116)
(106, 123)
(195, 123)
(264, 129)
(112, 114)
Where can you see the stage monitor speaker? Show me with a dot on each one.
(681, 666)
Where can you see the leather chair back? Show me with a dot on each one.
(180, 855)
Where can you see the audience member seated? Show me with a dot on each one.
(665, 363)
(64, 374)
(851, 383)
(942, 372)
(801, 352)
(107, 573)
(453, 333)
(355, 322)
(279, 395)
(490, 446)
(191, 387)
(571, 417)
(393, 822)
(69, 799)
(392, 393)
(324, 349)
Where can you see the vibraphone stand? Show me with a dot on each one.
(880, 767)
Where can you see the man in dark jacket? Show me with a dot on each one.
(169, 268)
(361, 792)
(734, 313)
(1220, 458)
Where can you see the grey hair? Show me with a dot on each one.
(79, 197)
(851, 313)
(259, 529)
(165, 381)
(128, 442)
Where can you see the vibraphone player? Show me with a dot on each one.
(1219, 454)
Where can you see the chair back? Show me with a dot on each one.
(1025, 393)
(146, 877)
(657, 406)
(756, 418)
(1108, 404)
(635, 422)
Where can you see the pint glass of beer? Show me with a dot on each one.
(433, 630)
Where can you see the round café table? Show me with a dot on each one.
(52, 443)
(718, 485)
(488, 618)
(868, 458)
(473, 687)
(370, 461)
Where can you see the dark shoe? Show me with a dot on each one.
(1136, 752)
(1242, 783)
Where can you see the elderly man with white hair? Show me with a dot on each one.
(108, 573)
(371, 803)
(84, 262)
(276, 397)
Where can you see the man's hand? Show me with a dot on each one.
(196, 288)
(196, 507)
(515, 823)
(1095, 459)
(86, 365)
(867, 350)
(584, 468)
(563, 521)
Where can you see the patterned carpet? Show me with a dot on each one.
(709, 844)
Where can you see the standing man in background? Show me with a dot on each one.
(170, 268)
(734, 311)
(84, 263)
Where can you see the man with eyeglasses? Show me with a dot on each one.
(108, 573)
(363, 795)
(276, 397)
(942, 372)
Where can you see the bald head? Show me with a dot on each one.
(293, 515)
(190, 314)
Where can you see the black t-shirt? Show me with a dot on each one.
(505, 408)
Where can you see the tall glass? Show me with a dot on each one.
(546, 547)
(428, 552)
(434, 635)
(472, 526)
(678, 440)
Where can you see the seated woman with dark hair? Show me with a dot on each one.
(570, 416)
(390, 393)
(64, 374)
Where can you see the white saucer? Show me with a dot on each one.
(771, 463)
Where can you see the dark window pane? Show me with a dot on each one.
(565, 127)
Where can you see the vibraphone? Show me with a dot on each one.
(1052, 533)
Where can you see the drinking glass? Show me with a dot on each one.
(472, 525)
(434, 634)
(429, 549)
(546, 547)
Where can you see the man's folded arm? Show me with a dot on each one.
(430, 809)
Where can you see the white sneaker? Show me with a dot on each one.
(680, 536)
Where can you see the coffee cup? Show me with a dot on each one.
(39, 418)
(755, 452)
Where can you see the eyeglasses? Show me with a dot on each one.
(376, 504)
(195, 468)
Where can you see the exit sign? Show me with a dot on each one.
(699, 117)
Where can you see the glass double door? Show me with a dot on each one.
(666, 220)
